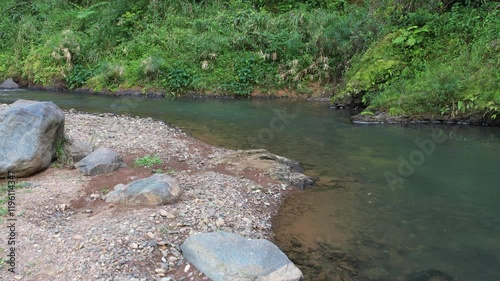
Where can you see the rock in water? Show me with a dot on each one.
(29, 134)
(160, 189)
(9, 84)
(100, 161)
(227, 256)
(277, 167)
(430, 275)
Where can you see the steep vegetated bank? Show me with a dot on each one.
(224, 47)
(432, 65)
(403, 57)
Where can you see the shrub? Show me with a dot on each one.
(78, 76)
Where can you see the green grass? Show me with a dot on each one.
(63, 155)
(233, 46)
(148, 161)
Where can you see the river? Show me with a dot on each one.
(390, 200)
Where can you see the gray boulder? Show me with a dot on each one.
(100, 161)
(9, 84)
(299, 180)
(160, 189)
(29, 134)
(79, 149)
(227, 256)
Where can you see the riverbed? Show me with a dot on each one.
(390, 200)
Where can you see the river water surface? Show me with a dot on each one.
(442, 212)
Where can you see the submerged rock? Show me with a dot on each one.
(100, 161)
(277, 167)
(29, 134)
(228, 256)
(160, 189)
(430, 275)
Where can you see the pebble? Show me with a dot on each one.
(160, 270)
(220, 222)
(166, 214)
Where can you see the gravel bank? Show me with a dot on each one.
(65, 231)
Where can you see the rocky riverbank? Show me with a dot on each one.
(316, 93)
(66, 231)
(385, 118)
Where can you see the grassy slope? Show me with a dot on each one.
(416, 62)
(444, 64)
(179, 46)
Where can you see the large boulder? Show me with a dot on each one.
(29, 135)
(227, 256)
(100, 161)
(9, 84)
(160, 189)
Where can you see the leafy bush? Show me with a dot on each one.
(78, 76)
(177, 79)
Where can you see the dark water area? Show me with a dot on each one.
(390, 200)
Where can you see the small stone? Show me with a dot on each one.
(61, 207)
(160, 270)
(220, 222)
(172, 259)
(164, 266)
(166, 214)
(94, 196)
(134, 245)
(186, 269)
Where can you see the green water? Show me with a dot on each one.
(444, 216)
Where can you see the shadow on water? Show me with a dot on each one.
(440, 222)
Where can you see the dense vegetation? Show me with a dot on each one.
(404, 57)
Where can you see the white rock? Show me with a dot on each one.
(220, 222)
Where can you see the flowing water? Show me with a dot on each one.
(389, 200)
